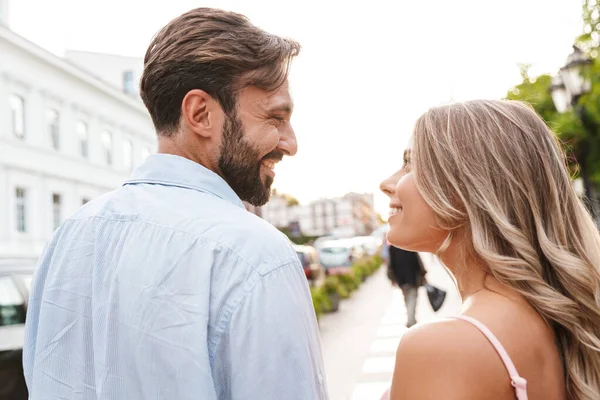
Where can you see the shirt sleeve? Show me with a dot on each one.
(271, 349)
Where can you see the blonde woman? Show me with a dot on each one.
(485, 187)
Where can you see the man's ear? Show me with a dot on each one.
(201, 114)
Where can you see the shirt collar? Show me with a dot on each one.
(172, 170)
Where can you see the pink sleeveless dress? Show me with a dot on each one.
(518, 382)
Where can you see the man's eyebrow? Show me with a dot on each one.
(287, 108)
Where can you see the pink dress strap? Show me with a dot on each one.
(519, 383)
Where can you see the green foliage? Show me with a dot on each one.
(321, 301)
(360, 271)
(291, 201)
(579, 143)
(349, 281)
(302, 239)
(333, 286)
(537, 93)
(343, 284)
(589, 40)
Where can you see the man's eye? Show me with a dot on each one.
(278, 121)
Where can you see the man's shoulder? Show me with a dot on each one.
(203, 215)
(255, 240)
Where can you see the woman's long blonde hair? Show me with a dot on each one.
(494, 169)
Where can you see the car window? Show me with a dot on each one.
(12, 303)
(334, 250)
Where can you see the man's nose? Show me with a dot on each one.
(287, 141)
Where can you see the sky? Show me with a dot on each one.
(366, 72)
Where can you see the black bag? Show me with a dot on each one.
(436, 296)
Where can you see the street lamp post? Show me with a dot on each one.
(567, 88)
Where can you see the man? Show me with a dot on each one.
(168, 288)
(406, 269)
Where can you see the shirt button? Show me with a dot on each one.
(320, 378)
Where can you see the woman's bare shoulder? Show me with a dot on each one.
(447, 359)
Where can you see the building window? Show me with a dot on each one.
(56, 210)
(53, 128)
(17, 108)
(108, 147)
(84, 201)
(128, 85)
(82, 134)
(127, 155)
(21, 208)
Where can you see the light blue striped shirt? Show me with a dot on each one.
(167, 288)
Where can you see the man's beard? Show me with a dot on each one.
(240, 164)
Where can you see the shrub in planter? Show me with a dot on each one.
(378, 261)
(370, 266)
(332, 290)
(333, 286)
(360, 271)
(321, 301)
(373, 267)
(349, 281)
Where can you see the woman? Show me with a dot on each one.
(485, 187)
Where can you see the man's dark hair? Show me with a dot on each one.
(216, 51)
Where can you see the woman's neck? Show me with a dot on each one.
(470, 273)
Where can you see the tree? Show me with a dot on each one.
(536, 91)
(576, 128)
(291, 201)
(590, 39)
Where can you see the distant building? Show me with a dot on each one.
(66, 136)
(121, 72)
(350, 215)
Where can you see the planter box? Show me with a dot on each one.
(335, 302)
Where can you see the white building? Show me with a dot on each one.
(121, 72)
(277, 212)
(350, 215)
(65, 137)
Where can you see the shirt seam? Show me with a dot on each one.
(235, 304)
(179, 185)
(196, 235)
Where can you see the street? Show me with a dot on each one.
(360, 341)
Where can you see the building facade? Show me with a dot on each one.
(121, 72)
(350, 215)
(66, 136)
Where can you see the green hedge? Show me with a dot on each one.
(343, 284)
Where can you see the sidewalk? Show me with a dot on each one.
(360, 341)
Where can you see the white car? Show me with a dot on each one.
(370, 244)
(15, 282)
(339, 254)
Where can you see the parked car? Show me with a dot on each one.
(15, 282)
(309, 258)
(339, 254)
(319, 242)
(370, 244)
